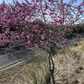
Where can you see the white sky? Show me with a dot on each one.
(66, 1)
(10, 1)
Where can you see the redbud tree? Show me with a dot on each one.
(39, 23)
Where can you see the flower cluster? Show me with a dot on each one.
(19, 22)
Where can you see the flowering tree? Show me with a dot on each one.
(19, 24)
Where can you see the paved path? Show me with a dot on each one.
(18, 55)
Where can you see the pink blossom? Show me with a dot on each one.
(28, 42)
(67, 24)
(40, 4)
(36, 30)
(34, 4)
(59, 46)
(82, 11)
(32, 11)
(39, 32)
(45, 6)
(37, 26)
(44, 13)
(23, 28)
(19, 10)
(28, 36)
(64, 41)
(58, 33)
(41, 42)
(78, 7)
(6, 55)
(40, 0)
(22, 34)
(27, 46)
(42, 37)
(17, 27)
(29, 17)
(36, 0)
(17, 36)
(36, 45)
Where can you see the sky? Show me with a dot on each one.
(66, 1)
(10, 1)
